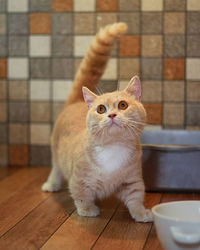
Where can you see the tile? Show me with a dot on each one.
(127, 5)
(173, 5)
(3, 46)
(39, 90)
(62, 68)
(152, 5)
(81, 44)
(174, 91)
(62, 45)
(3, 90)
(40, 23)
(193, 5)
(111, 70)
(153, 127)
(18, 112)
(129, 46)
(40, 68)
(57, 107)
(151, 68)
(40, 5)
(104, 19)
(174, 68)
(3, 23)
(151, 91)
(18, 68)
(17, 5)
(173, 114)
(18, 90)
(40, 46)
(108, 5)
(18, 133)
(3, 5)
(152, 45)
(174, 46)
(193, 42)
(193, 91)
(61, 23)
(3, 133)
(3, 68)
(40, 156)
(84, 23)
(193, 22)
(192, 68)
(18, 24)
(122, 84)
(193, 114)
(128, 67)
(154, 113)
(193, 128)
(151, 23)
(106, 86)
(18, 45)
(86, 5)
(18, 155)
(3, 155)
(40, 134)
(174, 23)
(40, 111)
(62, 5)
(61, 89)
(4, 111)
(132, 19)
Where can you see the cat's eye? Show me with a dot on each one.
(123, 105)
(101, 109)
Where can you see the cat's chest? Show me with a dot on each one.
(112, 157)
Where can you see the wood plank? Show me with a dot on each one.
(7, 171)
(123, 232)
(34, 230)
(81, 232)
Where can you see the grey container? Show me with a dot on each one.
(171, 160)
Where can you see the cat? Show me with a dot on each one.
(96, 138)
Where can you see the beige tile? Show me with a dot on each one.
(18, 90)
(40, 134)
(122, 84)
(61, 89)
(3, 111)
(40, 46)
(18, 133)
(193, 5)
(174, 91)
(174, 23)
(152, 5)
(193, 91)
(111, 70)
(152, 45)
(128, 67)
(17, 5)
(18, 68)
(174, 114)
(39, 90)
(151, 91)
(192, 68)
(86, 5)
(81, 44)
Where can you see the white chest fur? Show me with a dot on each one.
(112, 157)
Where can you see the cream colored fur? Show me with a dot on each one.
(97, 154)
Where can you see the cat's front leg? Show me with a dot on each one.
(86, 208)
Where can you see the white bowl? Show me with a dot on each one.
(178, 224)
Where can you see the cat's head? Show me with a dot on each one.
(116, 114)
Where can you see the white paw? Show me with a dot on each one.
(50, 187)
(89, 211)
(145, 216)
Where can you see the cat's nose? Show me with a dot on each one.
(112, 116)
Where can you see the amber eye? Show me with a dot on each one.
(101, 109)
(123, 105)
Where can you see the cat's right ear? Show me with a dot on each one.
(88, 96)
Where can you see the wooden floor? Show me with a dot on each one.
(31, 219)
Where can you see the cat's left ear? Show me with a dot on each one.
(88, 96)
(134, 88)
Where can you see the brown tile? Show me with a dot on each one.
(18, 112)
(3, 133)
(193, 91)
(132, 19)
(151, 22)
(193, 22)
(128, 67)
(104, 19)
(3, 155)
(106, 5)
(174, 23)
(84, 23)
(174, 46)
(174, 91)
(40, 112)
(40, 23)
(106, 86)
(152, 45)
(62, 5)
(151, 91)
(3, 68)
(193, 114)
(18, 133)
(129, 46)
(18, 90)
(57, 107)
(151, 68)
(40, 156)
(193, 46)
(175, 4)
(127, 5)
(3, 112)
(174, 68)
(18, 155)
(3, 90)
(173, 114)
(154, 113)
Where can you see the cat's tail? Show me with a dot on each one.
(93, 64)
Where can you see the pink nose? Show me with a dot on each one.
(112, 116)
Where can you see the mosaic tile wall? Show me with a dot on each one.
(41, 45)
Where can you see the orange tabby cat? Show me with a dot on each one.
(96, 147)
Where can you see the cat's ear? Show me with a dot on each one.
(88, 96)
(134, 88)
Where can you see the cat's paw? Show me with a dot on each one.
(50, 187)
(141, 214)
(88, 211)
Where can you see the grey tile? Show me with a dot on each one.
(151, 69)
(106, 86)
(151, 22)
(132, 20)
(175, 4)
(193, 114)
(62, 45)
(3, 5)
(193, 22)
(3, 46)
(56, 109)
(193, 45)
(127, 5)
(18, 24)
(18, 46)
(40, 68)
(62, 23)
(3, 133)
(18, 133)
(40, 5)
(18, 112)
(3, 24)
(174, 45)
(40, 156)
(62, 68)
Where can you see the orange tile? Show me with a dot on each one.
(106, 5)
(3, 67)
(174, 68)
(129, 46)
(154, 113)
(40, 23)
(18, 155)
(62, 5)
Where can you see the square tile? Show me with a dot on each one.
(3, 155)
(129, 46)
(127, 5)
(40, 111)
(87, 5)
(151, 23)
(3, 46)
(3, 133)
(61, 23)
(18, 90)
(152, 45)
(174, 45)
(40, 156)
(193, 114)
(62, 68)
(40, 5)
(154, 113)
(18, 155)
(174, 91)
(40, 68)
(3, 21)
(151, 68)
(111, 70)
(173, 114)
(18, 68)
(40, 23)
(106, 86)
(132, 20)
(61, 89)
(62, 5)
(193, 91)
(18, 24)
(62, 45)
(3, 68)
(3, 90)
(192, 68)
(128, 67)
(193, 22)
(57, 107)
(84, 23)
(152, 91)
(193, 42)
(174, 68)
(17, 5)
(174, 23)
(40, 134)
(81, 45)
(18, 111)
(18, 133)
(104, 19)
(40, 46)
(171, 5)
(122, 84)
(39, 90)
(3, 5)
(152, 5)
(4, 111)
(193, 5)
(108, 5)
(18, 45)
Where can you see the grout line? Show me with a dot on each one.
(185, 60)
